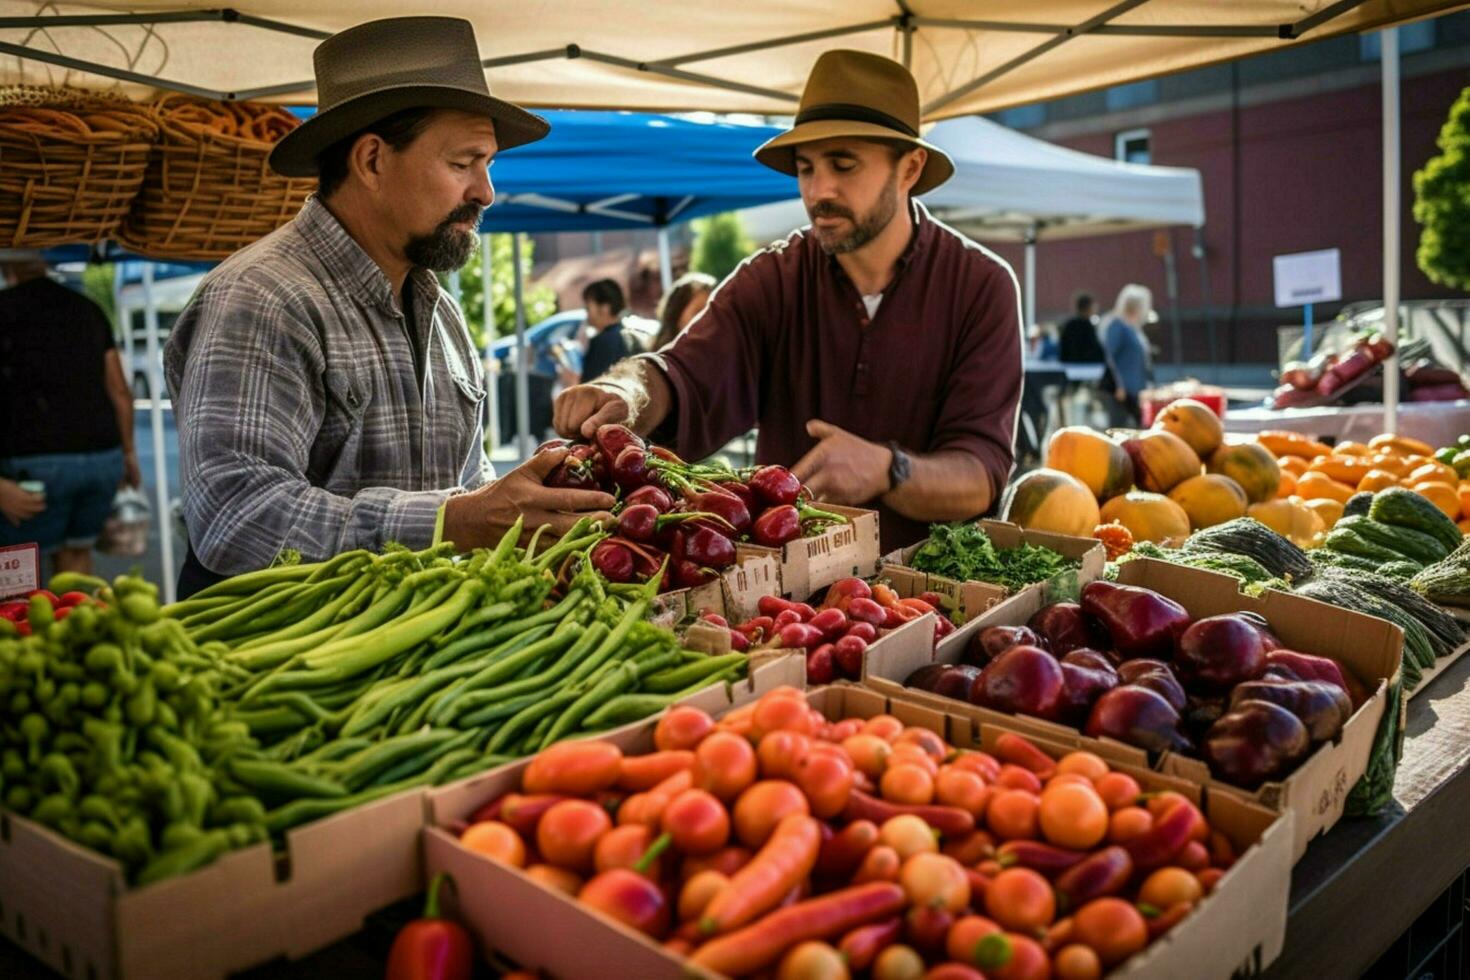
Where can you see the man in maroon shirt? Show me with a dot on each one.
(878, 350)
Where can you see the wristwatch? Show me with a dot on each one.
(901, 467)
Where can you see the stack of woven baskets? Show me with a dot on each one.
(180, 178)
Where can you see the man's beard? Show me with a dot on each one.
(447, 247)
(864, 229)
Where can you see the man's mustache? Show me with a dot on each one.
(827, 209)
(464, 213)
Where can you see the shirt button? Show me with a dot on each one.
(863, 321)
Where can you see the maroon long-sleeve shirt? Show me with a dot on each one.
(787, 338)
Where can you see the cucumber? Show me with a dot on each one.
(1413, 544)
(1405, 508)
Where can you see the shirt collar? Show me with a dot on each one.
(348, 263)
(919, 240)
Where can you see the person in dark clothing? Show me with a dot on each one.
(70, 410)
(612, 342)
(1080, 344)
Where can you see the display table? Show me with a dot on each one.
(1358, 888)
(1437, 423)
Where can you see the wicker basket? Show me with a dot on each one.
(71, 163)
(209, 190)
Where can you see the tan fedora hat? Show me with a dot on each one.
(853, 93)
(370, 71)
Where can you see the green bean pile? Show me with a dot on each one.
(167, 737)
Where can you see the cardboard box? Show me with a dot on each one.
(975, 597)
(754, 574)
(1317, 791)
(71, 907)
(1242, 924)
(809, 564)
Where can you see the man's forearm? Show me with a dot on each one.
(645, 388)
(943, 486)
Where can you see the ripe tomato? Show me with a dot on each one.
(682, 728)
(724, 764)
(557, 879)
(1112, 927)
(624, 847)
(1128, 823)
(868, 752)
(983, 764)
(1118, 789)
(1014, 777)
(762, 806)
(780, 752)
(1170, 886)
(1011, 814)
(932, 745)
(497, 840)
(908, 835)
(881, 863)
(898, 962)
(695, 896)
(1076, 962)
(906, 783)
(1020, 899)
(812, 960)
(965, 935)
(774, 713)
(962, 788)
(1083, 763)
(697, 822)
(885, 727)
(907, 753)
(568, 833)
(827, 779)
(1073, 815)
(936, 881)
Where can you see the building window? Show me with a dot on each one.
(1418, 36)
(1132, 96)
(1022, 116)
(1131, 146)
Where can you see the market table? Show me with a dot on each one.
(1437, 423)
(1358, 888)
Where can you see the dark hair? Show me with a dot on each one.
(1082, 301)
(607, 292)
(398, 131)
(676, 301)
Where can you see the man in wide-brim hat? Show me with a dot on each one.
(878, 350)
(327, 392)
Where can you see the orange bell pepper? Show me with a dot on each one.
(1400, 445)
(1446, 498)
(1315, 485)
(1343, 469)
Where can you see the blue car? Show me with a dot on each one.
(560, 330)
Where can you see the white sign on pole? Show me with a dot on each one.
(1303, 278)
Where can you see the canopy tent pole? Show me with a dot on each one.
(160, 460)
(1201, 254)
(665, 263)
(489, 365)
(523, 379)
(1028, 296)
(1391, 204)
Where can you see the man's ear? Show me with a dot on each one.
(912, 166)
(366, 159)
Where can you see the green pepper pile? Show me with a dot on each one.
(166, 737)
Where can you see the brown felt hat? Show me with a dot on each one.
(853, 93)
(368, 72)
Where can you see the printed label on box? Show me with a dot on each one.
(20, 569)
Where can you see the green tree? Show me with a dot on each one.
(720, 244)
(540, 301)
(97, 286)
(1442, 202)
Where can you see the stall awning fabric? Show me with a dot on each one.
(665, 55)
(608, 170)
(1007, 186)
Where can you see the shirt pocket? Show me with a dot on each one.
(335, 454)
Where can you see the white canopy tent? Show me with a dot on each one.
(1008, 186)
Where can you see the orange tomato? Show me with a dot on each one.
(935, 881)
(971, 849)
(1161, 803)
(1011, 814)
(965, 935)
(1209, 878)
(827, 780)
(1087, 764)
(881, 863)
(497, 840)
(1014, 777)
(898, 962)
(624, 847)
(1019, 958)
(885, 727)
(932, 745)
(1315, 485)
(909, 753)
(961, 788)
(1170, 886)
(724, 764)
(1073, 816)
(1075, 778)
(1118, 789)
(762, 806)
(557, 879)
(1021, 899)
(567, 834)
(1077, 962)
(905, 783)
(780, 752)
(983, 764)
(843, 730)
(812, 960)
(1112, 927)
(726, 861)
(868, 752)
(697, 822)
(1376, 480)
(1128, 823)
(682, 727)
(908, 834)
(774, 713)
(697, 892)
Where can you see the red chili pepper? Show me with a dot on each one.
(73, 599)
(432, 948)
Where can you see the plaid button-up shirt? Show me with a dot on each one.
(301, 420)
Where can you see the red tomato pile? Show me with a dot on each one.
(775, 839)
(837, 633)
(18, 610)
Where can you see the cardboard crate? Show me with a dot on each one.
(1317, 791)
(1240, 926)
(755, 573)
(809, 564)
(71, 907)
(975, 597)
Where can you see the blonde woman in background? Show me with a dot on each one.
(1126, 348)
(683, 302)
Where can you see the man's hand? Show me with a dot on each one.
(481, 517)
(132, 472)
(580, 409)
(842, 468)
(19, 505)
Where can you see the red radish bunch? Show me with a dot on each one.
(836, 634)
(693, 515)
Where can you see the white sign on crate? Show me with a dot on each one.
(1304, 278)
(20, 569)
